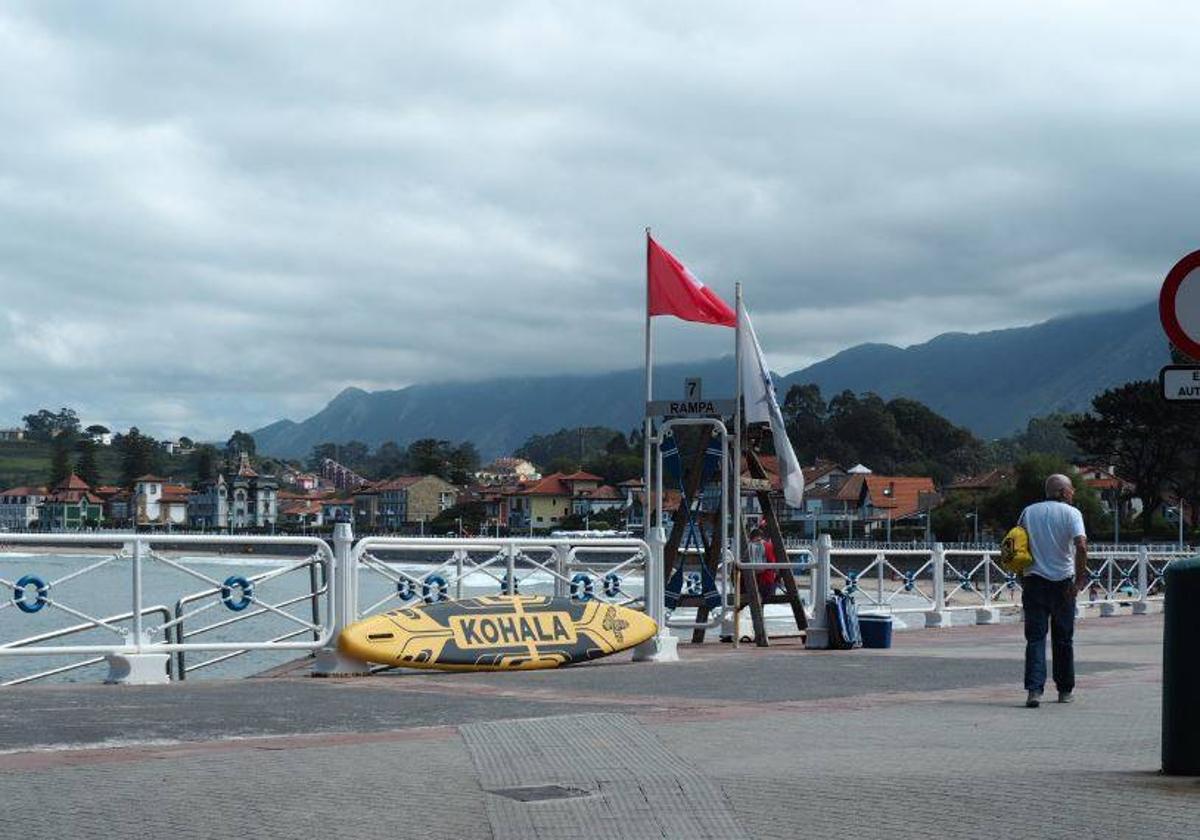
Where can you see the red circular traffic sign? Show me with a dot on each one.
(1179, 305)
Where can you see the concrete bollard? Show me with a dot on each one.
(1181, 679)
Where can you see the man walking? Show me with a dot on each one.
(1059, 547)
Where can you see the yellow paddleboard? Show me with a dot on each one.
(496, 633)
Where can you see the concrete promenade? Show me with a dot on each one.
(928, 739)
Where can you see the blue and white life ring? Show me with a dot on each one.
(22, 588)
(246, 593)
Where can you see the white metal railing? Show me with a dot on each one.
(114, 571)
(940, 580)
(406, 570)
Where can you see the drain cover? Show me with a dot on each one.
(541, 793)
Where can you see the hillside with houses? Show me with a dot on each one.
(874, 470)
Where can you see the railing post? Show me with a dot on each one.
(817, 636)
(938, 616)
(344, 581)
(132, 665)
(562, 589)
(1141, 606)
(510, 568)
(663, 646)
(987, 614)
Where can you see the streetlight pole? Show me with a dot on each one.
(974, 517)
(1180, 509)
(1116, 517)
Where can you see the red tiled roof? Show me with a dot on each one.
(398, 483)
(298, 506)
(551, 485)
(72, 482)
(71, 497)
(770, 464)
(819, 470)
(986, 481)
(580, 475)
(631, 482)
(24, 491)
(898, 495)
(605, 491)
(851, 489)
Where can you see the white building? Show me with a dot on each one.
(158, 502)
(19, 507)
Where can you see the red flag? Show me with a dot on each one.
(673, 290)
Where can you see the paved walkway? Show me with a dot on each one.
(928, 739)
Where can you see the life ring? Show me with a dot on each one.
(21, 589)
(582, 587)
(405, 590)
(510, 580)
(247, 593)
(434, 585)
(692, 584)
(612, 584)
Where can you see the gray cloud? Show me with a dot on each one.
(210, 218)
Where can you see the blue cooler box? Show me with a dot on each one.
(876, 630)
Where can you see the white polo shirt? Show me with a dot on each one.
(1053, 527)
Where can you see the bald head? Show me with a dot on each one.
(1059, 487)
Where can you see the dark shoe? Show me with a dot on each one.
(1033, 700)
(1066, 697)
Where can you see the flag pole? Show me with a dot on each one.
(737, 445)
(649, 396)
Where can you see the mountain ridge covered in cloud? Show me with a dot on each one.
(991, 382)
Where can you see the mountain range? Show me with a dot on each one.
(991, 382)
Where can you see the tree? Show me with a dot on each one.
(60, 463)
(46, 425)
(473, 516)
(462, 462)
(427, 456)
(1132, 429)
(805, 414)
(240, 443)
(186, 442)
(86, 467)
(1000, 508)
(618, 445)
(353, 454)
(205, 460)
(96, 430)
(864, 431)
(140, 454)
(319, 453)
(578, 443)
(389, 460)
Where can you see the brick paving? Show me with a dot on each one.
(926, 740)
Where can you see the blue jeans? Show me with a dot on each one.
(1048, 605)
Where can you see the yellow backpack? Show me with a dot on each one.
(1015, 556)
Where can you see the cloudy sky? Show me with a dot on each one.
(216, 215)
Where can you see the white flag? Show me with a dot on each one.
(762, 407)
